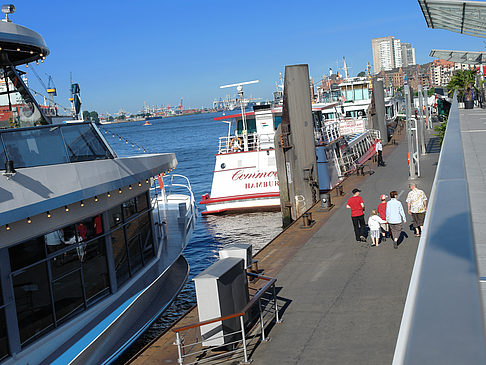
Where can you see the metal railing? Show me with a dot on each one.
(263, 300)
(443, 319)
(255, 142)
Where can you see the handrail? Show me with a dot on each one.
(245, 309)
(443, 318)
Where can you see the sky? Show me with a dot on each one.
(125, 53)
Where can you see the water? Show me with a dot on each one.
(194, 140)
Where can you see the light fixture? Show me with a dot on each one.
(146, 181)
(29, 220)
(66, 208)
(9, 169)
(119, 190)
(129, 187)
(26, 65)
(139, 183)
(37, 62)
(31, 52)
(81, 203)
(108, 194)
(48, 214)
(96, 198)
(18, 49)
(7, 227)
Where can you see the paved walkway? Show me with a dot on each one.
(346, 299)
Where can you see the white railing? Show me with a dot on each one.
(254, 142)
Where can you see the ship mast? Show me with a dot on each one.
(239, 88)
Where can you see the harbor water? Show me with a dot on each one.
(194, 140)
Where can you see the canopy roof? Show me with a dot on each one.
(467, 17)
(467, 57)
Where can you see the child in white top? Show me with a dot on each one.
(374, 225)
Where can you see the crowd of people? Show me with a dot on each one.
(388, 218)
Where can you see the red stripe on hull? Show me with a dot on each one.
(240, 197)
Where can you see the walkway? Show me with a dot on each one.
(347, 298)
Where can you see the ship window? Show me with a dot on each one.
(26, 253)
(142, 202)
(95, 272)
(120, 256)
(146, 236)
(135, 253)
(33, 302)
(3, 336)
(3, 157)
(3, 330)
(250, 124)
(115, 215)
(129, 208)
(35, 147)
(68, 295)
(83, 143)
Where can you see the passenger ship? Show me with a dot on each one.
(245, 173)
(90, 244)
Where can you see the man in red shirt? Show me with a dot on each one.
(356, 204)
(382, 212)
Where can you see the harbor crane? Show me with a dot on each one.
(50, 88)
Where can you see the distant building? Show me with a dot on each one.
(390, 53)
(416, 75)
(408, 54)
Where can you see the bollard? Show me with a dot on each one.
(307, 221)
(326, 204)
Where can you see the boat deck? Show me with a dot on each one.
(341, 300)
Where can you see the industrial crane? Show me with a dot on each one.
(50, 89)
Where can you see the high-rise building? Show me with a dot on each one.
(408, 54)
(389, 53)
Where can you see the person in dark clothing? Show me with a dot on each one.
(356, 204)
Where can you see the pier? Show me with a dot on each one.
(341, 301)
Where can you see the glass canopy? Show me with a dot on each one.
(467, 57)
(466, 17)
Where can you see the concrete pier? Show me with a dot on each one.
(342, 300)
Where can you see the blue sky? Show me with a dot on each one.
(123, 53)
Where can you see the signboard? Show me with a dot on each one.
(351, 126)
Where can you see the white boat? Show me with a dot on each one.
(245, 172)
(90, 247)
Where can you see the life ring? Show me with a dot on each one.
(235, 143)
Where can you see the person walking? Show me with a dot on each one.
(382, 213)
(374, 222)
(379, 151)
(394, 216)
(356, 204)
(417, 206)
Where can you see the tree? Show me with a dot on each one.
(93, 116)
(362, 74)
(85, 115)
(463, 82)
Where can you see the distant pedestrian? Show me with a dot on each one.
(374, 222)
(382, 213)
(394, 216)
(356, 204)
(417, 206)
(379, 151)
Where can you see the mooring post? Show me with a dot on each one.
(295, 146)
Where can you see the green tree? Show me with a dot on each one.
(85, 115)
(93, 116)
(463, 82)
(441, 129)
(362, 74)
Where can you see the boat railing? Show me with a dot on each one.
(261, 311)
(164, 186)
(255, 142)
